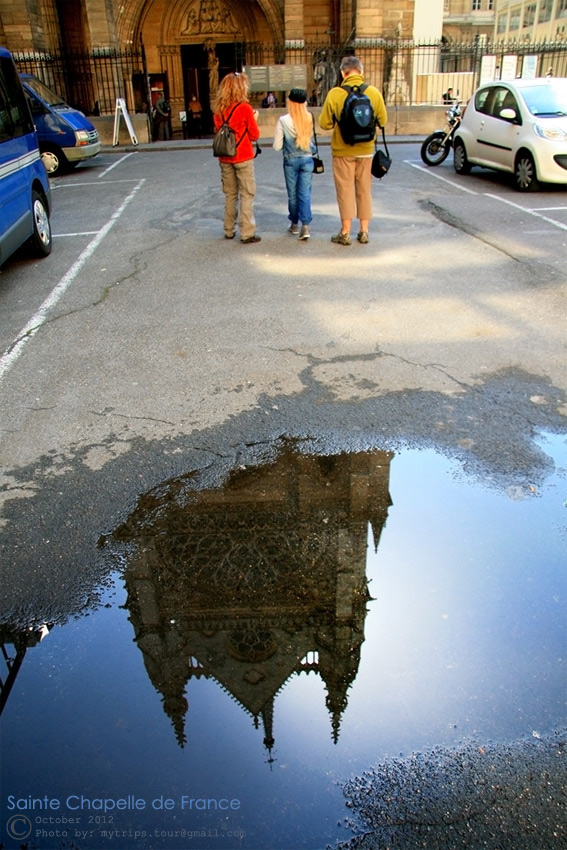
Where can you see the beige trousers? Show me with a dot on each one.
(239, 184)
(353, 186)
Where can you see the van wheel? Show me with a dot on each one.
(55, 162)
(40, 240)
(525, 175)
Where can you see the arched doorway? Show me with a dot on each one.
(204, 65)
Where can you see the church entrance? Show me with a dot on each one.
(204, 65)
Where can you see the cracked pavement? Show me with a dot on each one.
(174, 349)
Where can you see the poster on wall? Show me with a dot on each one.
(487, 69)
(529, 67)
(509, 67)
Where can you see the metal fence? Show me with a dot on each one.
(408, 73)
(93, 81)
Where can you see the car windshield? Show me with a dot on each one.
(547, 100)
(49, 97)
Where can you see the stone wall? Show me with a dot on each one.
(402, 121)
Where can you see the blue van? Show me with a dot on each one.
(65, 136)
(25, 195)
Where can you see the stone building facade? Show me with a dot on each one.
(188, 45)
(531, 20)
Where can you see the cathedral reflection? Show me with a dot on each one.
(256, 582)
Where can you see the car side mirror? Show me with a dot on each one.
(508, 114)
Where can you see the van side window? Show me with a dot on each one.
(15, 119)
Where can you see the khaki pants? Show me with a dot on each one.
(239, 184)
(353, 186)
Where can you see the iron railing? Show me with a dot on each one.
(408, 73)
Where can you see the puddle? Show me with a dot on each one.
(261, 644)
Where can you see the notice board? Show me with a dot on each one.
(276, 77)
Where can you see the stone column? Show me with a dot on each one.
(293, 16)
(100, 24)
(170, 61)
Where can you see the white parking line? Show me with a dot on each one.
(78, 233)
(114, 164)
(13, 352)
(92, 183)
(548, 209)
(552, 221)
(438, 177)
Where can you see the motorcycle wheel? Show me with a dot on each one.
(435, 150)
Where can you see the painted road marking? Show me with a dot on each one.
(438, 177)
(12, 354)
(535, 213)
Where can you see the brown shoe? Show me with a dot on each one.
(341, 239)
(251, 239)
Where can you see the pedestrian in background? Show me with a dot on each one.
(294, 136)
(162, 113)
(237, 172)
(351, 163)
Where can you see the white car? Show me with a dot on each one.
(518, 126)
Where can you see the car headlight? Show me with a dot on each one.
(554, 134)
(82, 137)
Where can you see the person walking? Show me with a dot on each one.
(351, 163)
(237, 172)
(294, 136)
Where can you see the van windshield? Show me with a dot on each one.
(547, 100)
(45, 94)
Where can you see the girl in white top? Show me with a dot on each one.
(294, 136)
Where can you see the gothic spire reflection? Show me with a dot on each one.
(256, 582)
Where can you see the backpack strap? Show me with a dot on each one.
(226, 121)
(361, 88)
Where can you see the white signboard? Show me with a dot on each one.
(487, 69)
(529, 67)
(509, 70)
(122, 110)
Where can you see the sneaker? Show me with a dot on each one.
(304, 233)
(342, 239)
(363, 237)
(294, 228)
(251, 239)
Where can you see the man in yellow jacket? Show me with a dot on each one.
(351, 163)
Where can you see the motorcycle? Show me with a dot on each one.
(436, 147)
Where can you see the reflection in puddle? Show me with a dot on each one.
(434, 617)
(259, 582)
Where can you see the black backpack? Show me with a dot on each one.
(357, 121)
(224, 140)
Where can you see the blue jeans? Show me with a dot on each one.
(298, 172)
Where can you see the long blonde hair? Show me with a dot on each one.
(303, 123)
(232, 89)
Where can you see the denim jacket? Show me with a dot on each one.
(285, 139)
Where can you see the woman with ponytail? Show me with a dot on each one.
(294, 136)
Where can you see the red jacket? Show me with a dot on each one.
(245, 128)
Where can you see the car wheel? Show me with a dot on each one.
(40, 240)
(460, 160)
(525, 175)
